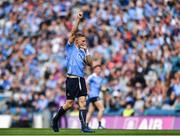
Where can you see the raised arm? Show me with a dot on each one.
(89, 60)
(75, 27)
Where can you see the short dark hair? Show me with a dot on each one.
(79, 34)
(96, 66)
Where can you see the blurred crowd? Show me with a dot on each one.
(137, 42)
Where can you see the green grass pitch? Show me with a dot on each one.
(75, 132)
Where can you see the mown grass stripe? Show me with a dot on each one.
(69, 132)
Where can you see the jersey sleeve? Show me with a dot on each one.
(89, 79)
(103, 82)
(68, 45)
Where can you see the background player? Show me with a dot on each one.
(77, 58)
(94, 82)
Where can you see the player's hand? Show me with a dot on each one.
(84, 47)
(103, 88)
(80, 15)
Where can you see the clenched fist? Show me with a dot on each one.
(80, 15)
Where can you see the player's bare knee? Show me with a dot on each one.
(69, 104)
(91, 112)
(82, 103)
(101, 110)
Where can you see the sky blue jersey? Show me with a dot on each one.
(75, 60)
(95, 82)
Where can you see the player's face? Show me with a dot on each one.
(81, 41)
(98, 70)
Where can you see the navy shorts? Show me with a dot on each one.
(75, 88)
(93, 99)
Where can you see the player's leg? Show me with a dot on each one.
(62, 110)
(100, 108)
(71, 90)
(82, 111)
(90, 112)
(82, 105)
